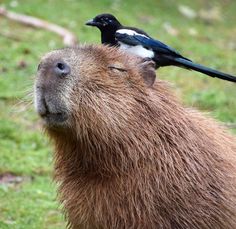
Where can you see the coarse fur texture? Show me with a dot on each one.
(127, 153)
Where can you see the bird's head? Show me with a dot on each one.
(104, 22)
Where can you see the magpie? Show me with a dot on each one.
(137, 42)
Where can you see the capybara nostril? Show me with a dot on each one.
(62, 69)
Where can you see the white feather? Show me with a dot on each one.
(138, 50)
(130, 32)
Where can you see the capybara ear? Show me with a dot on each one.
(147, 71)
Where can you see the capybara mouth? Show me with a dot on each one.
(54, 119)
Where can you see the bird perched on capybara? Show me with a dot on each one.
(127, 153)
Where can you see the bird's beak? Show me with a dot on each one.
(91, 22)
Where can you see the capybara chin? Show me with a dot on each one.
(127, 153)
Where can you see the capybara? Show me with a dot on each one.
(127, 153)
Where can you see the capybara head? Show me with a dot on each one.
(93, 82)
(127, 153)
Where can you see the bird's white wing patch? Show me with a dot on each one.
(137, 50)
(129, 32)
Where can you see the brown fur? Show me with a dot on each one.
(130, 155)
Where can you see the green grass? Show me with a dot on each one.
(26, 152)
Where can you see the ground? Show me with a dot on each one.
(27, 193)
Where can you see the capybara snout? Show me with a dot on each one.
(50, 90)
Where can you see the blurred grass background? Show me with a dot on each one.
(204, 32)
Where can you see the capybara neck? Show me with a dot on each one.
(103, 147)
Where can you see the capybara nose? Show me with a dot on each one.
(61, 69)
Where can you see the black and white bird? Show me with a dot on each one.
(137, 42)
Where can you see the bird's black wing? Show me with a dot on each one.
(127, 39)
(157, 46)
(147, 42)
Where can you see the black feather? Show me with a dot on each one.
(200, 68)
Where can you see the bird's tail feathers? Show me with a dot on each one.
(205, 70)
